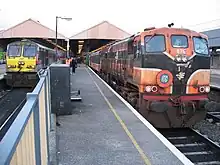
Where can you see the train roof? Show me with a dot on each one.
(186, 31)
(161, 29)
(28, 40)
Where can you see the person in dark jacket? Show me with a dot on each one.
(73, 65)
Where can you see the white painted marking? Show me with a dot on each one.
(169, 55)
(170, 146)
(191, 57)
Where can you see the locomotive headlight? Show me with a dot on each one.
(207, 89)
(148, 88)
(202, 89)
(21, 63)
(164, 78)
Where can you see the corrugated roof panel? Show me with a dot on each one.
(103, 30)
(215, 42)
(30, 29)
(1, 32)
(212, 33)
(214, 37)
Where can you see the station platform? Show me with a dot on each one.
(104, 129)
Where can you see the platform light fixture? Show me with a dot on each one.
(65, 18)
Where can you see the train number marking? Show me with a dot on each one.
(181, 51)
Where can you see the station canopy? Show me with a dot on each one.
(95, 37)
(34, 30)
(214, 37)
(103, 30)
(30, 29)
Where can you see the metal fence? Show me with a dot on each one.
(26, 142)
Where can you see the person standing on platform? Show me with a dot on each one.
(73, 65)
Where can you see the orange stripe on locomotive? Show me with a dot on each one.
(148, 77)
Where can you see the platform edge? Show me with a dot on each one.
(170, 146)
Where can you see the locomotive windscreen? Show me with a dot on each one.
(155, 43)
(30, 50)
(14, 50)
(200, 46)
(179, 41)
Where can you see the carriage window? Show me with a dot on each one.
(179, 41)
(30, 50)
(200, 45)
(14, 50)
(155, 43)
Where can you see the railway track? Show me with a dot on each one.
(213, 116)
(2, 88)
(10, 106)
(195, 146)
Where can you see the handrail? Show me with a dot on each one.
(26, 141)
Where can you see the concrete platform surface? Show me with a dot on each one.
(103, 130)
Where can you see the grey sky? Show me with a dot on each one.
(130, 15)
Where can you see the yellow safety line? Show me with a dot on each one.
(141, 152)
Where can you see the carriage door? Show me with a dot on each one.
(106, 64)
(47, 58)
(137, 54)
(129, 59)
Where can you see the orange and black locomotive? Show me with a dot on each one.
(163, 72)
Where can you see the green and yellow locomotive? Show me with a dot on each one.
(24, 59)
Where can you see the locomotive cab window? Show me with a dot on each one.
(154, 43)
(30, 50)
(179, 41)
(200, 45)
(14, 50)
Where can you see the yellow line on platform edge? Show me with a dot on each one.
(141, 152)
